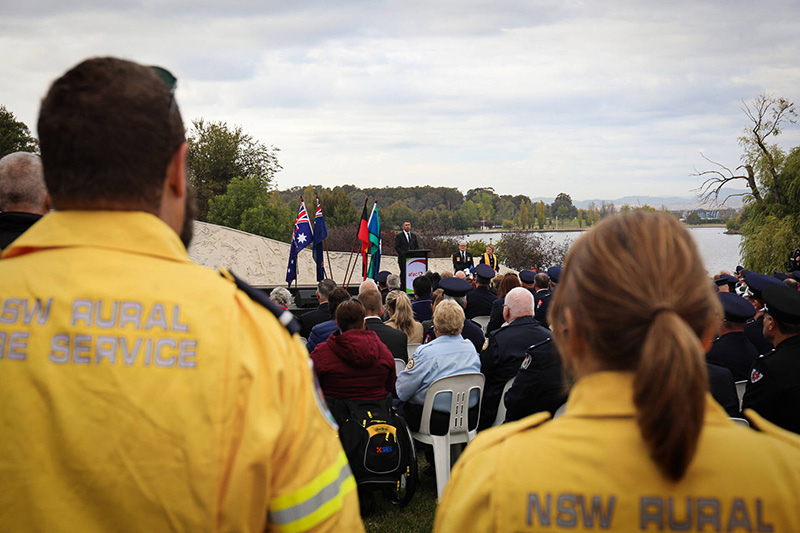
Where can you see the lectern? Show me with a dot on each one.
(415, 265)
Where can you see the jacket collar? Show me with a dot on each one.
(610, 394)
(129, 231)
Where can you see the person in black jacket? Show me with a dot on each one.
(774, 387)
(462, 259)
(539, 385)
(732, 349)
(394, 339)
(403, 242)
(321, 313)
(504, 350)
(480, 299)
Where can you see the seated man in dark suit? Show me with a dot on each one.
(394, 339)
(320, 314)
(462, 259)
(422, 305)
(505, 349)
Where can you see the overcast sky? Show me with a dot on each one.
(595, 99)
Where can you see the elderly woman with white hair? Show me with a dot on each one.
(447, 355)
(281, 296)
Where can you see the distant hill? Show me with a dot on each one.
(671, 202)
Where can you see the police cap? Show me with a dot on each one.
(783, 303)
(779, 275)
(455, 287)
(527, 276)
(726, 279)
(756, 283)
(382, 276)
(554, 272)
(737, 309)
(484, 272)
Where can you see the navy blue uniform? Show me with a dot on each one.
(755, 332)
(539, 385)
(501, 359)
(471, 331)
(774, 387)
(496, 319)
(541, 301)
(479, 302)
(735, 352)
(723, 388)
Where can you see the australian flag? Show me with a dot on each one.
(320, 233)
(302, 237)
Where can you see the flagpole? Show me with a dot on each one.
(327, 253)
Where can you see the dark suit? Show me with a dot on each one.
(723, 388)
(774, 387)
(735, 352)
(539, 385)
(461, 264)
(394, 339)
(501, 360)
(479, 302)
(402, 246)
(312, 318)
(496, 319)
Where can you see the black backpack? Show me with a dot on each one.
(378, 445)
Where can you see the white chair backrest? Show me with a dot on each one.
(740, 387)
(482, 321)
(501, 408)
(560, 411)
(459, 386)
(399, 365)
(411, 348)
(740, 422)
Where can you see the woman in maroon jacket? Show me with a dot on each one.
(353, 364)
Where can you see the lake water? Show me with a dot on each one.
(719, 251)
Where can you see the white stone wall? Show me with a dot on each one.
(261, 261)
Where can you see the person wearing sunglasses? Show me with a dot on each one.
(140, 391)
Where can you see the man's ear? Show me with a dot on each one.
(176, 171)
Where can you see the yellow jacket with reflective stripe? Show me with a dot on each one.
(590, 471)
(142, 392)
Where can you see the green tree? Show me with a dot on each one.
(218, 153)
(563, 200)
(15, 135)
(526, 216)
(338, 208)
(541, 214)
(248, 206)
(771, 223)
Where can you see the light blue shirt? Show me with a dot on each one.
(444, 356)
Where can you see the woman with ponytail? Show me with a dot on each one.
(641, 445)
(401, 316)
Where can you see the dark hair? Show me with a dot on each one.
(541, 280)
(350, 315)
(422, 286)
(644, 319)
(335, 298)
(107, 131)
(509, 281)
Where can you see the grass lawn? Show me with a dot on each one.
(417, 516)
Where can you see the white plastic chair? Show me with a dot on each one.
(501, 408)
(411, 348)
(459, 386)
(399, 365)
(560, 411)
(740, 387)
(482, 321)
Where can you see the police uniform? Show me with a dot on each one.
(539, 385)
(471, 331)
(541, 301)
(734, 350)
(756, 283)
(142, 392)
(590, 470)
(774, 387)
(501, 358)
(480, 299)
